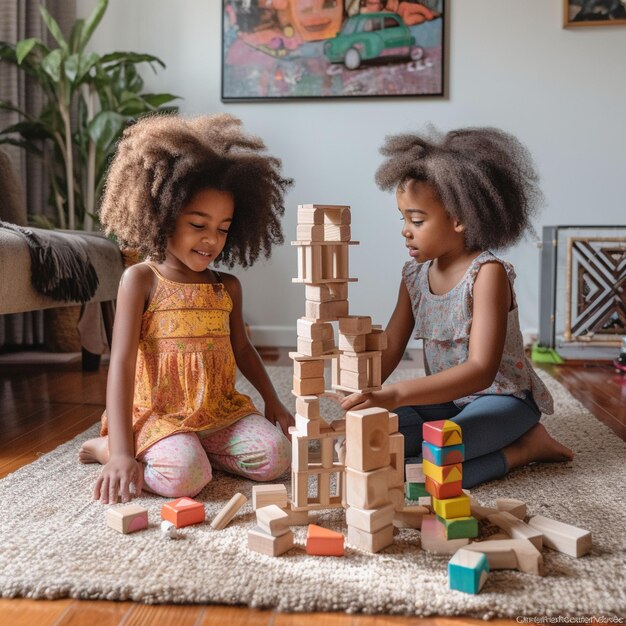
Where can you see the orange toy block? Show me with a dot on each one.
(323, 542)
(442, 433)
(183, 512)
(443, 491)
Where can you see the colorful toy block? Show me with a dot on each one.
(127, 519)
(467, 571)
(562, 537)
(442, 491)
(447, 455)
(442, 433)
(415, 491)
(460, 527)
(433, 537)
(225, 516)
(452, 507)
(183, 512)
(324, 542)
(444, 474)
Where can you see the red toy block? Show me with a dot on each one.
(445, 490)
(442, 433)
(183, 512)
(323, 542)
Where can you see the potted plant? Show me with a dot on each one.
(88, 101)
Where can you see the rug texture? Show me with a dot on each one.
(55, 542)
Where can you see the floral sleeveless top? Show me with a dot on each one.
(185, 373)
(444, 323)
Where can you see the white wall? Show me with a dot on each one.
(510, 64)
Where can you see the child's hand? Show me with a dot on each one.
(277, 413)
(386, 398)
(116, 478)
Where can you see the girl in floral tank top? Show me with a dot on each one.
(461, 195)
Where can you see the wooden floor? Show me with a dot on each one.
(42, 406)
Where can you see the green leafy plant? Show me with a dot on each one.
(88, 101)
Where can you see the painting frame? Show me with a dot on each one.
(251, 70)
(594, 9)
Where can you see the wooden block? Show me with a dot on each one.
(264, 495)
(415, 491)
(443, 491)
(512, 506)
(459, 527)
(309, 329)
(272, 520)
(512, 554)
(299, 453)
(310, 428)
(447, 455)
(480, 512)
(310, 214)
(516, 528)
(357, 361)
(337, 232)
(324, 542)
(393, 423)
(426, 501)
(467, 571)
(370, 520)
(310, 263)
(310, 232)
(410, 516)
(315, 347)
(183, 512)
(562, 537)
(396, 460)
(414, 473)
(323, 214)
(396, 497)
(260, 541)
(308, 369)
(354, 381)
(326, 310)
(376, 340)
(434, 540)
(452, 507)
(308, 406)
(299, 489)
(352, 343)
(127, 519)
(225, 516)
(328, 292)
(308, 386)
(370, 542)
(443, 474)
(442, 433)
(367, 490)
(355, 325)
(297, 518)
(367, 439)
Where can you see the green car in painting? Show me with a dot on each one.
(372, 36)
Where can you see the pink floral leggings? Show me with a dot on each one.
(180, 465)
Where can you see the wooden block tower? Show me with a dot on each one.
(443, 454)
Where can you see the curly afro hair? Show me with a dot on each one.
(162, 161)
(484, 177)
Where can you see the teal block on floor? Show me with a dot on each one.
(448, 455)
(460, 527)
(414, 491)
(467, 571)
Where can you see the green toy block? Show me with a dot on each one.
(460, 527)
(541, 354)
(467, 571)
(414, 491)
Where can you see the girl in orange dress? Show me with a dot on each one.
(187, 193)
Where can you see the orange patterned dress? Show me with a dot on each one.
(185, 375)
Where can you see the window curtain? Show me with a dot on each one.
(20, 19)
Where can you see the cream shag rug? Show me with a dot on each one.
(55, 542)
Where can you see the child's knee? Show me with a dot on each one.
(278, 458)
(179, 481)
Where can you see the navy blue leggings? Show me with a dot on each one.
(488, 424)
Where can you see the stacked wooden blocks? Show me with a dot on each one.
(272, 535)
(368, 476)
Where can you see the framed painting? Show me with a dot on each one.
(594, 13)
(284, 49)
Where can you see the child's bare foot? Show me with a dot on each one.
(94, 451)
(536, 446)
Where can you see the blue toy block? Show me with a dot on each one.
(447, 455)
(467, 571)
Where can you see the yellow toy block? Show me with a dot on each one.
(443, 474)
(452, 507)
